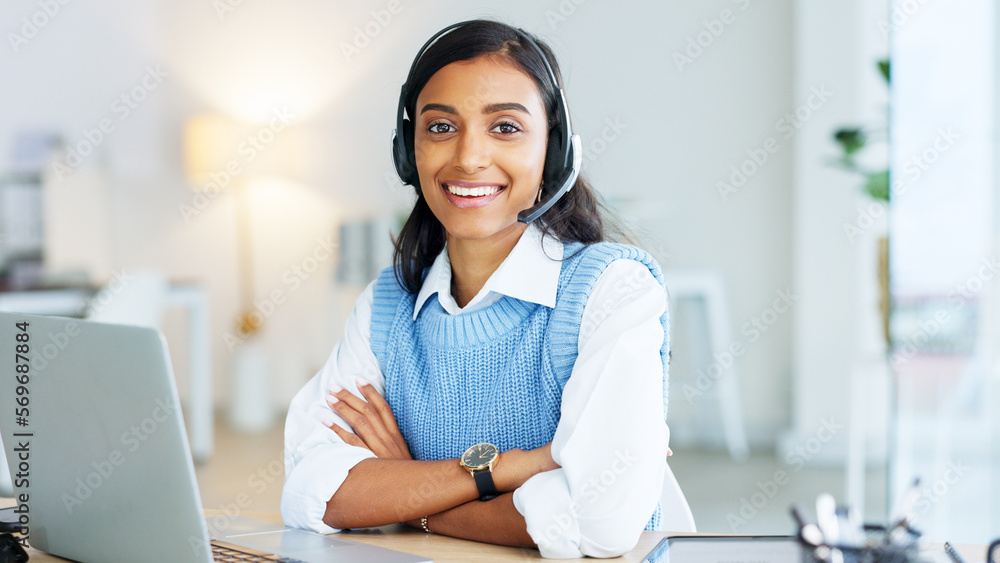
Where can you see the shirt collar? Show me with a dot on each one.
(529, 273)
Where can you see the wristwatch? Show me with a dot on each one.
(479, 461)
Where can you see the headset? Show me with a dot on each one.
(563, 155)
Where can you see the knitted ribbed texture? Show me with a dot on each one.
(494, 375)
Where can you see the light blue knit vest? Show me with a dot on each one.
(494, 375)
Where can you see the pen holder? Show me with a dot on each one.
(877, 547)
(867, 554)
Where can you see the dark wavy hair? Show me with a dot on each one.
(576, 217)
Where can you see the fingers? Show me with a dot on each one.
(371, 420)
(340, 395)
(400, 448)
(348, 437)
(355, 412)
(378, 402)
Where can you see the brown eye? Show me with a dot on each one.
(439, 127)
(506, 128)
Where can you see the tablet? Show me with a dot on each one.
(726, 549)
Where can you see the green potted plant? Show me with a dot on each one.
(852, 141)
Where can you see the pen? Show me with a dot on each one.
(808, 531)
(904, 510)
(950, 550)
(826, 517)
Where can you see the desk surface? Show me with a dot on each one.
(445, 549)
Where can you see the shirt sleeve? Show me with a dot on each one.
(316, 459)
(611, 440)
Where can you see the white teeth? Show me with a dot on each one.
(473, 192)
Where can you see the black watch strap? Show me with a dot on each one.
(484, 482)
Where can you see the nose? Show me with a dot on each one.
(472, 152)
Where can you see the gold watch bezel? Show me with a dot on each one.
(474, 468)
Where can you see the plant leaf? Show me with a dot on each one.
(877, 185)
(851, 139)
(883, 68)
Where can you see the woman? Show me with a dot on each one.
(538, 342)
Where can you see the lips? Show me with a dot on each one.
(467, 195)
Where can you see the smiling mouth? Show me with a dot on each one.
(477, 191)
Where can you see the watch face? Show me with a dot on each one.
(479, 455)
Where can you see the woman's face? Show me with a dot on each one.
(480, 138)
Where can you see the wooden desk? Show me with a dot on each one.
(445, 549)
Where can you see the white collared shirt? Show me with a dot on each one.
(611, 440)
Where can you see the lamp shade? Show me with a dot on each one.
(210, 143)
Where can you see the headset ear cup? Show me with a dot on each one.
(555, 157)
(409, 155)
(402, 154)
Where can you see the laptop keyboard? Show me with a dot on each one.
(227, 552)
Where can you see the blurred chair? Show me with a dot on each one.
(133, 298)
(675, 513)
(707, 289)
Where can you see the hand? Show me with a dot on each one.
(371, 418)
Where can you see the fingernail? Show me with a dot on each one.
(328, 422)
(334, 388)
(332, 399)
(362, 381)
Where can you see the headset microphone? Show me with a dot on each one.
(529, 215)
(563, 154)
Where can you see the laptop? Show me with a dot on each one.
(98, 453)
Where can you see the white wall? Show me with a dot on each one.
(728, 101)
(684, 128)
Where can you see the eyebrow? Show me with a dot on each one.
(491, 108)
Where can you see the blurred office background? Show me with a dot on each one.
(233, 157)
